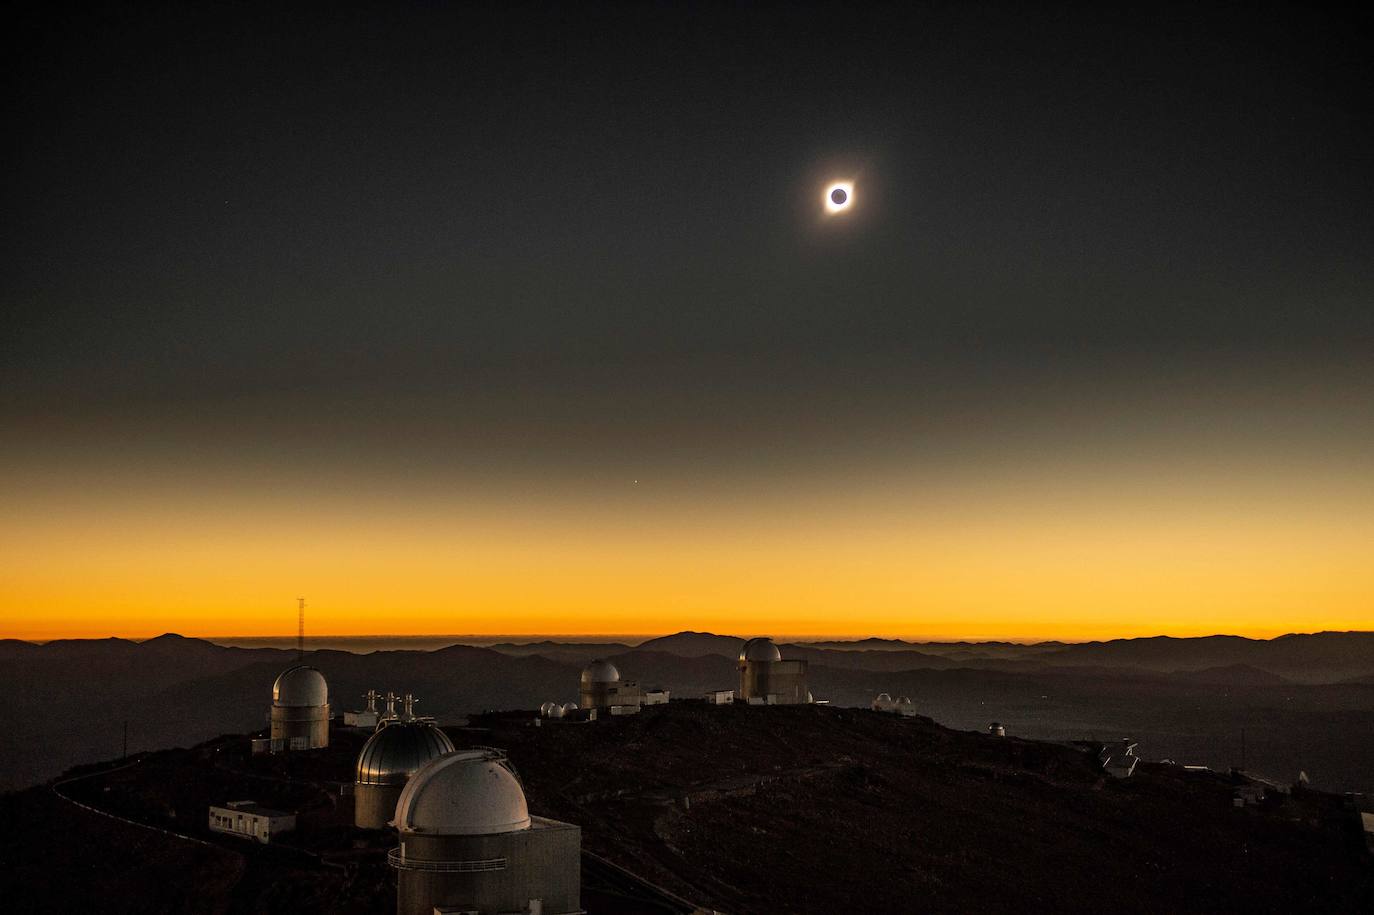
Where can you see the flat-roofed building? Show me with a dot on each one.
(250, 820)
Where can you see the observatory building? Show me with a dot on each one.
(300, 710)
(766, 679)
(250, 820)
(903, 706)
(468, 843)
(601, 687)
(388, 760)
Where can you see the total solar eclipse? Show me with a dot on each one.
(839, 196)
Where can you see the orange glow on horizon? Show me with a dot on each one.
(973, 558)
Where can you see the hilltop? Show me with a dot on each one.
(741, 809)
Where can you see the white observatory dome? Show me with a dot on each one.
(600, 672)
(547, 708)
(760, 649)
(569, 708)
(300, 687)
(470, 793)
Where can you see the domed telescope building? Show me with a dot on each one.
(601, 687)
(468, 843)
(388, 760)
(766, 679)
(300, 710)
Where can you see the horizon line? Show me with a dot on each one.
(635, 639)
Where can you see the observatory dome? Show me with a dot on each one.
(472, 793)
(300, 687)
(760, 649)
(600, 672)
(395, 752)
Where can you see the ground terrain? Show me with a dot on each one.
(740, 809)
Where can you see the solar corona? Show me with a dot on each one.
(839, 196)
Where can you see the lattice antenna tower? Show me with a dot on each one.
(300, 629)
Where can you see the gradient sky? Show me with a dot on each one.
(526, 322)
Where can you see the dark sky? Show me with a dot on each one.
(209, 201)
(387, 239)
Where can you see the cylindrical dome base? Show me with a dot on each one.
(375, 805)
(300, 727)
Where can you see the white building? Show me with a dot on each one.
(884, 702)
(250, 820)
(656, 697)
(720, 696)
(368, 717)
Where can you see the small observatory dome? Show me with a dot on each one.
(569, 708)
(760, 649)
(600, 672)
(300, 687)
(395, 752)
(547, 709)
(472, 793)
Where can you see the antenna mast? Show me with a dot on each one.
(300, 629)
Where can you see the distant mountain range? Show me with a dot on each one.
(1323, 657)
(74, 696)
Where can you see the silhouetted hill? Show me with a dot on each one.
(1312, 658)
(1231, 675)
(566, 652)
(960, 650)
(1325, 657)
(13, 648)
(891, 659)
(683, 675)
(695, 644)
